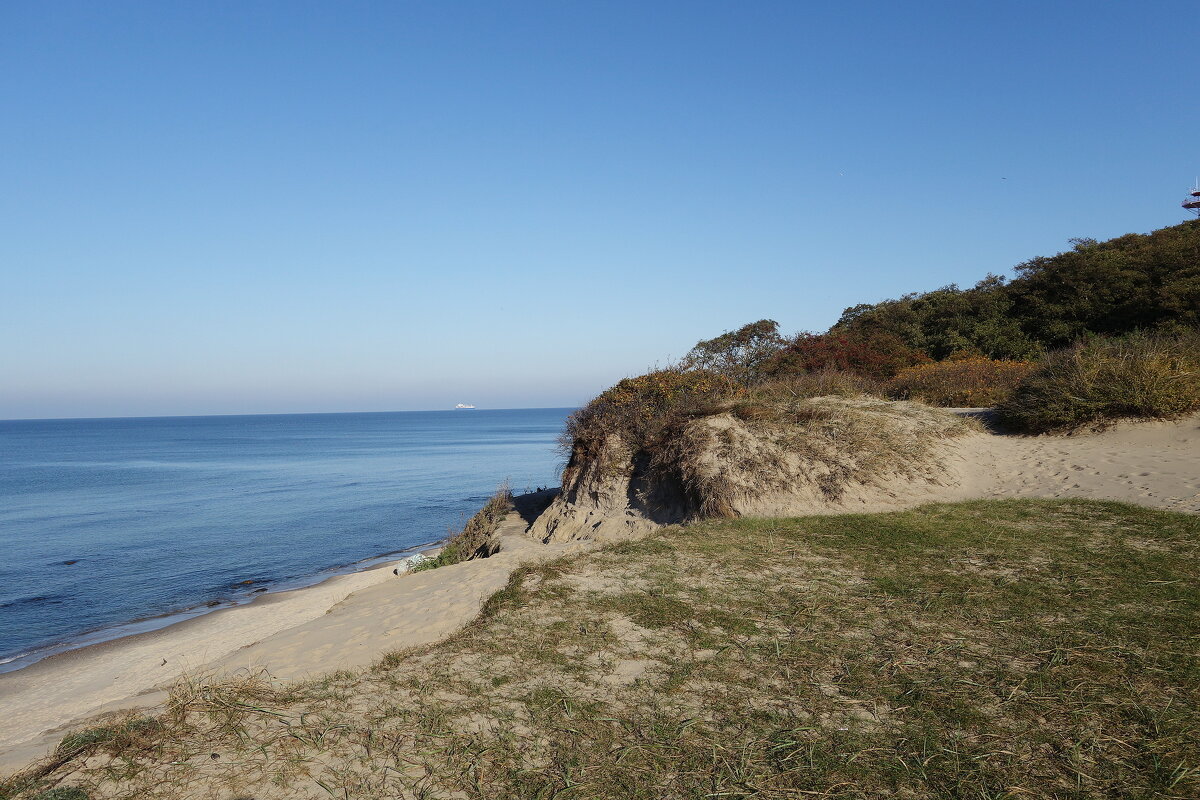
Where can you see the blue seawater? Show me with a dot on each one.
(161, 515)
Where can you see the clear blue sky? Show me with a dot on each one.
(228, 207)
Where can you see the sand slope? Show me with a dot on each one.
(352, 620)
(1150, 463)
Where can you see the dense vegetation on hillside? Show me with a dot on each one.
(1134, 282)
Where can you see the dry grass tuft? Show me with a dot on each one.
(1146, 376)
(816, 447)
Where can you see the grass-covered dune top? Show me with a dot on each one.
(677, 445)
(982, 650)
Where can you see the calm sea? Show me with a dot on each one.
(110, 521)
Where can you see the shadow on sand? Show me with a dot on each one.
(530, 505)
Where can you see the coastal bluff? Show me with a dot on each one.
(824, 455)
(620, 495)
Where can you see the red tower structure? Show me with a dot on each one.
(1192, 201)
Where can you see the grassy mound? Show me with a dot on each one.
(764, 446)
(978, 650)
(473, 539)
(700, 445)
(1093, 384)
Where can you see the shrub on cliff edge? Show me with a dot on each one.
(638, 409)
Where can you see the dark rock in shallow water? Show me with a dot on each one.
(259, 589)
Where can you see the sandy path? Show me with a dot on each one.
(350, 621)
(413, 610)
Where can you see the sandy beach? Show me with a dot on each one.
(350, 621)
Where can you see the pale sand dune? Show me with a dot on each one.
(352, 620)
(1150, 463)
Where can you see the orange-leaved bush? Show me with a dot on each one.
(875, 356)
(972, 382)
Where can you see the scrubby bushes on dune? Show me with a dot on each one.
(1097, 382)
(1132, 282)
(638, 409)
(974, 381)
(873, 355)
(704, 444)
(756, 376)
(757, 352)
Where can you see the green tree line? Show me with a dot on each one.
(1133, 282)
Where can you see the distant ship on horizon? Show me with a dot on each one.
(463, 405)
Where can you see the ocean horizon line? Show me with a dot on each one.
(281, 414)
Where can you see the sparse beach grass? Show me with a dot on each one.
(767, 443)
(978, 650)
(473, 539)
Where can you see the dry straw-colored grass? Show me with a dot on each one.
(1143, 376)
(962, 383)
(773, 444)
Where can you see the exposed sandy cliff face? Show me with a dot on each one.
(600, 499)
(825, 455)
